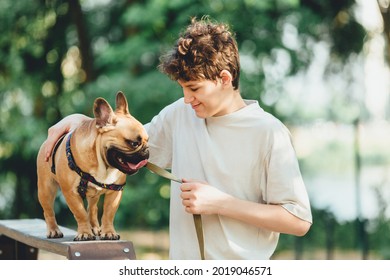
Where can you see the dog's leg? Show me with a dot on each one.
(111, 204)
(47, 191)
(93, 213)
(76, 206)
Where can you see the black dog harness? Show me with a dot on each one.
(86, 177)
(53, 163)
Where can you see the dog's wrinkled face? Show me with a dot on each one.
(127, 163)
(128, 151)
(124, 138)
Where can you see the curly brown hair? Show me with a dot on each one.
(202, 52)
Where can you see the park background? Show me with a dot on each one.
(321, 66)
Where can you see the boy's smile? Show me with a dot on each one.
(211, 98)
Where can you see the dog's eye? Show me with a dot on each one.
(133, 144)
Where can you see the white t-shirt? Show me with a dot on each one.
(247, 154)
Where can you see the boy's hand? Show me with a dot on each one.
(56, 131)
(201, 198)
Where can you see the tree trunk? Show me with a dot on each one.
(385, 12)
(84, 41)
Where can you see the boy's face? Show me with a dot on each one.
(207, 98)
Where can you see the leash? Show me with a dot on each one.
(199, 233)
(197, 218)
(86, 177)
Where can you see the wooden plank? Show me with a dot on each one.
(32, 232)
(101, 250)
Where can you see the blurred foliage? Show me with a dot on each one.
(384, 8)
(57, 56)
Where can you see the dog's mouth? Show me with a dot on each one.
(127, 163)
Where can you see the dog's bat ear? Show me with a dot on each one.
(103, 112)
(121, 103)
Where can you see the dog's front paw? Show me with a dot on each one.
(54, 233)
(110, 236)
(96, 231)
(84, 237)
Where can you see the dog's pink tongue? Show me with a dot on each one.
(138, 165)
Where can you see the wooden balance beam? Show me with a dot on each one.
(21, 240)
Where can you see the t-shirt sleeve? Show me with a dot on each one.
(160, 137)
(285, 185)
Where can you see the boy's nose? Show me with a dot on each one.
(188, 98)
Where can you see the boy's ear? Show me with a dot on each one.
(226, 77)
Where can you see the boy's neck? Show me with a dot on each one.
(233, 104)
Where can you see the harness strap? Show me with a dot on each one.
(86, 177)
(53, 163)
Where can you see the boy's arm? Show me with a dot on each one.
(201, 198)
(272, 217)
(63, 126)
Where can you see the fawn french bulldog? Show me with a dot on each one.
(88, 162)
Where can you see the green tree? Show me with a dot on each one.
(57, 56)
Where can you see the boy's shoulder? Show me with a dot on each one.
(262, 117)
(266, 124)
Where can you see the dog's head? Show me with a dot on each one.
(124, 141)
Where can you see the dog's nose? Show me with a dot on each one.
(145, 152)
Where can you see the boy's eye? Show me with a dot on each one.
(194, 89)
